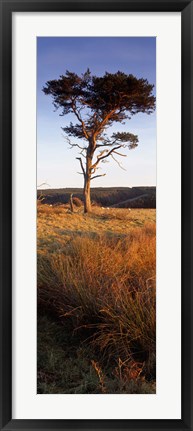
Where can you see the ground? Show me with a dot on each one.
(96, 300)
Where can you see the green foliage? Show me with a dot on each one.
(116, 92)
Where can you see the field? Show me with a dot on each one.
(96, 300)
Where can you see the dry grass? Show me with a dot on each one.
(97, 272)
(56, 224)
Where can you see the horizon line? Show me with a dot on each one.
(99, 187)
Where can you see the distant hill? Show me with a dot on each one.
(120, 197)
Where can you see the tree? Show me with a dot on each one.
(97, 103)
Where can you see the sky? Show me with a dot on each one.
(56, 162)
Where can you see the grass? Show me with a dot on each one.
(67, 366)
(96, 301)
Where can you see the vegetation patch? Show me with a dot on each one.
(96, 301)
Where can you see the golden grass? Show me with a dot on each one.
(98, 271)
(57, 224)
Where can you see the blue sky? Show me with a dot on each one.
(56, 163)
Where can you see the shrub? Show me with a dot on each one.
(77, 202)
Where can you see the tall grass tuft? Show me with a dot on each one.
(105, 286)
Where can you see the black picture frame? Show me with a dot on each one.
(7, 7)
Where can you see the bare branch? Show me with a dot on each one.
(99, 158)
(74, 108)
(44, 184)
(93, 170)
(72, 145)
(97, 176)
(77, 145)
(81, 164)
(81, 152)
(105, 144)
(118, 162)
(110, 152)
(120, 154)
(66, 138)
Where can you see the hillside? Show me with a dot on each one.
(96, 298)
(121, 197)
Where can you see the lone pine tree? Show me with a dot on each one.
(97, 103)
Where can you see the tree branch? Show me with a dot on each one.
(77, 145)
(97, 176)
(81, 164)
(118, 162)
(105, 145)
(98, 159)
(79, 119)
(81, 152)
(120, 154)
(104, 122)
(43, 184)
(110, 152)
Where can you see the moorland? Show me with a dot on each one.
(96, 295)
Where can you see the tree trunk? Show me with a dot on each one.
(87, 179)
(87, 201)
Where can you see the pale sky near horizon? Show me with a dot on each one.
(56, 163)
